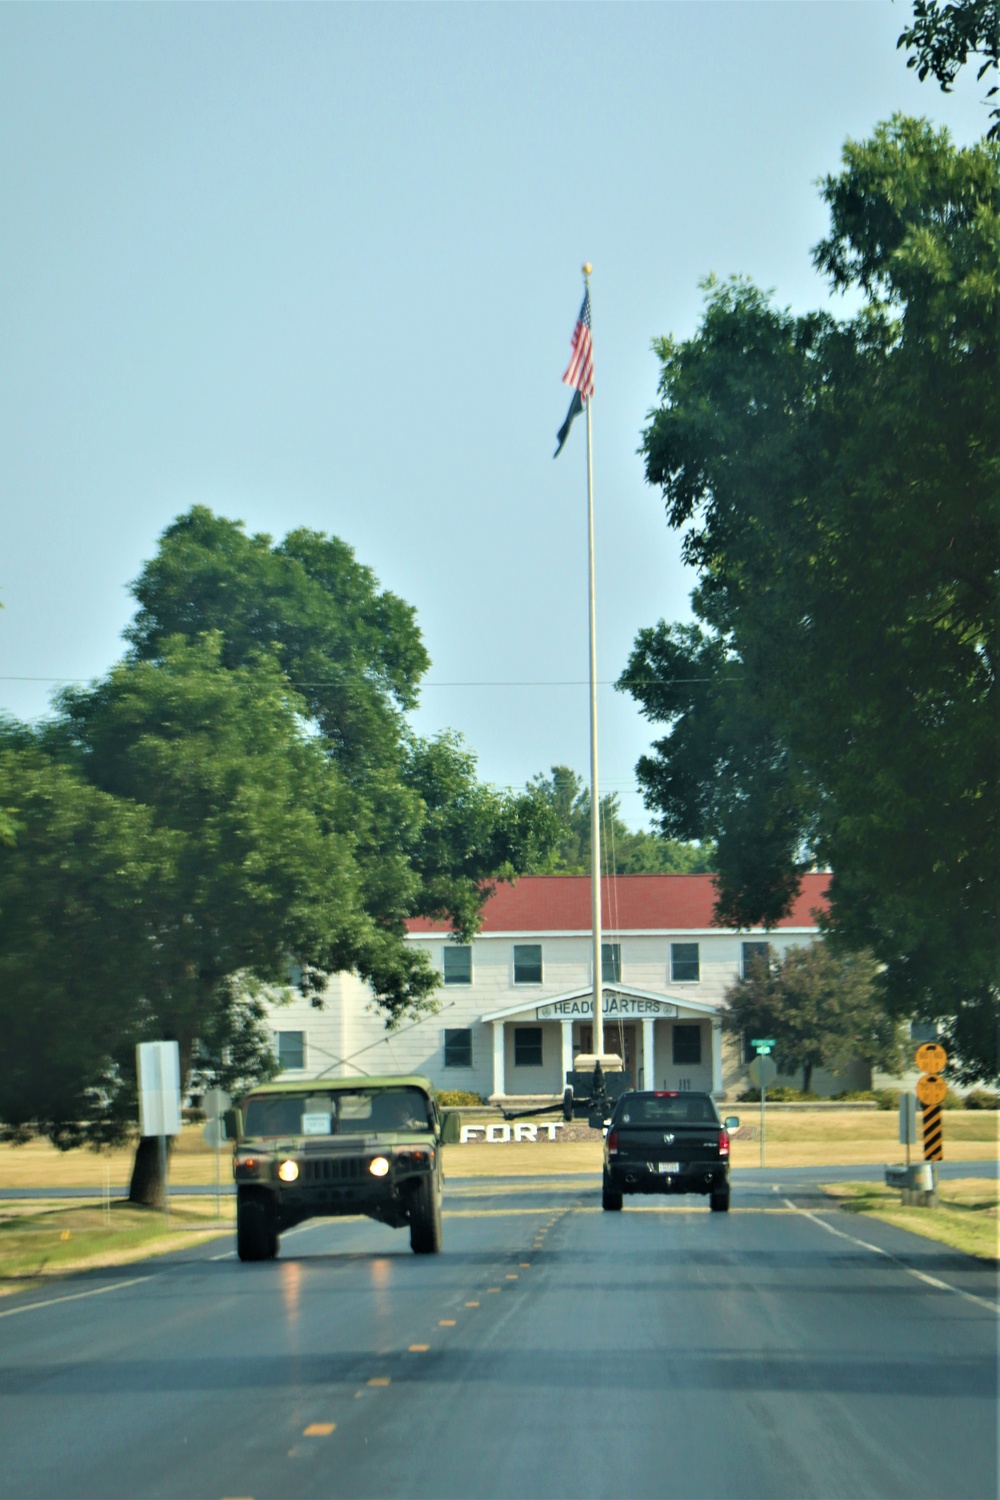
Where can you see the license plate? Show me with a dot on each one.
(668, 1166)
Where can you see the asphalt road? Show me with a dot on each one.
(785, 1350)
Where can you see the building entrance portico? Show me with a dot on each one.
(534, 1045)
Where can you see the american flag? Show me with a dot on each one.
(580, 370)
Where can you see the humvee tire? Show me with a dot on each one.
(425, 1217)
(256, 1230)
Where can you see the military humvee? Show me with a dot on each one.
(326, 1148)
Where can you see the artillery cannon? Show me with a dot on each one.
(593, 1088)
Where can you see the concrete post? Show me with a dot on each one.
(499, 1082)
(648, 1053)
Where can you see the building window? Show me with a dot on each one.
(684, 964)
(687, 1044)
(291, 1049)
(527, 963)
(611, 963)
(458, 964)
(458, 1047)
(754, 954)
(527, 1046)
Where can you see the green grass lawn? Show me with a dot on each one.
(967, 1218)
(39, 1240)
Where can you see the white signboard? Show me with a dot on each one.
(158, 1072)
(613, 1005)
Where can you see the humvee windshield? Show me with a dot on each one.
(360, 1112)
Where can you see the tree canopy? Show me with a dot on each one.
(823, 1010)
(241, 798)
(943, 36)
(624, 851)
(837, 484)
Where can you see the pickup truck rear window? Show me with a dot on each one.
(647, 1109)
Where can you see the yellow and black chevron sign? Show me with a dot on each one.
(933, 1144)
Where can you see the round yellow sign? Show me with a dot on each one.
(931, 1090)
(931, 1057)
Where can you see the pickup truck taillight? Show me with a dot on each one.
(613, 1143)
(723, 1142)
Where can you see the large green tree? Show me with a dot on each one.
(624, 851)
(822, 1008)
(837, 484)
(254, 748)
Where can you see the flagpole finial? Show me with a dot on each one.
(587, 268)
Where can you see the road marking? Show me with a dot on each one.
(96, 1291)
(447, 1322)
(380, 1380)
(492, 1288)
(525, 1265)
(419, 1348)
(941, 1286)
(511, 1276)
(319, 1429)
(472, 1304)
(490, 1213)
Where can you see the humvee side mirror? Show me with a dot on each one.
(230, 1125)
(732, 1122)
(451, 1127)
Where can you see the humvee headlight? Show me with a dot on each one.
(379, 1166)
(288, 1171)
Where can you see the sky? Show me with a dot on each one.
(319, 265)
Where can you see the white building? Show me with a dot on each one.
(516, 1003)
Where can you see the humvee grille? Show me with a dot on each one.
(325, 1169)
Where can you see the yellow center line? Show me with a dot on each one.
(447, 1322)
(380, 1380)
(319, 1429)
(419, 1348)
(472, 1304)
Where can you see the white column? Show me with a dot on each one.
(567, 1049)
(717, 1057)
(648, 1054)
(499, 1085)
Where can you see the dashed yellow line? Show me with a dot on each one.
(319, 1429)
(380, 1380)
(418, 1348)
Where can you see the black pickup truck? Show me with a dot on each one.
(667, 1143)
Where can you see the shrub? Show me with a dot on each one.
(454, 1098)
(857, 1096)
(780, 1095)
(982, 1099)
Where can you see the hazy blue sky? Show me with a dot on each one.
(319, 265)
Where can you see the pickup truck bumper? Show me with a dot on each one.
(649, 1177)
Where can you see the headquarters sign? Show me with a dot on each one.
(615, 1006)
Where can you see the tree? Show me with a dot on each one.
(822, 1008)
(623, 851)
(837, 484)
(428, 838)
(74, 883)
(275, 828)
(943, 36)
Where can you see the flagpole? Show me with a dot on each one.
(595, 806)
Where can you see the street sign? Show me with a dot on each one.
(908, 1120)
(158, 1073)
(763, 1071)
(765, 1045)
(931, 1090)
(215, 1103)
(931, 1057)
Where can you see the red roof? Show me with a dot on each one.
(630, 903)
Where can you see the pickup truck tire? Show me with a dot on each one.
(256, 1230)
(425, 1217)
(611, 1201)
(720, 1202)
